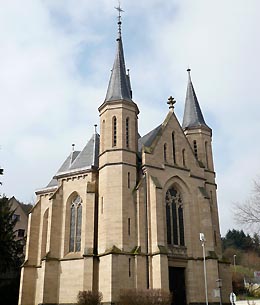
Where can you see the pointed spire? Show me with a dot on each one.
(119, 87)
(193, 117)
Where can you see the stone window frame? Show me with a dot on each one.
(165, 152)
(195, 148)
(183, 158)
(75, 224)
(127, 132)
(206, 154)
(174, 208)
(44, 233)
(173, 148)
(114, 131)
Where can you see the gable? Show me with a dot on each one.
(167, 144)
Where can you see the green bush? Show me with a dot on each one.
(145, 297)
(89, 298)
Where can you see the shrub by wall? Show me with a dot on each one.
(89, 298)
(145, 297)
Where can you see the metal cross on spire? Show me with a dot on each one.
(119, 9)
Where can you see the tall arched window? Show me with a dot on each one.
(195, 149)
(165, 152)
(44, 232)
(174, 218)
(114, 131)
(103, 135)
(206, 154)
(173, 148)
(183, 158)
(127, 132)
(75, 225)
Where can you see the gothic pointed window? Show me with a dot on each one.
(206, 154)
(165, 152)
(173, 148)
(103, 135)
(114, 131)
(127, 132)
(183, 158)
(174, 218)
(195, 147)
(44, 232)
(75, 225)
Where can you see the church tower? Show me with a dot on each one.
(195, 128)
(199, 135)
(117, 178)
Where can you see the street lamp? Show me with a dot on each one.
(234, 257)
(219, 283)
(203, 240)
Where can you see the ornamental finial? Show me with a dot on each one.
(171, 102)
(119, 9)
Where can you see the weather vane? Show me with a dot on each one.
(119, 9)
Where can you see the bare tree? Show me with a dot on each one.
(248, 212)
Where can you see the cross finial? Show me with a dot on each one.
(188, 70)
(119, 9)
(171, 102)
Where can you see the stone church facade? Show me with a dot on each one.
(127, 211)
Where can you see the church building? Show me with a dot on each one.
(127, 211)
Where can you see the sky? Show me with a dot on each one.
(55, 62)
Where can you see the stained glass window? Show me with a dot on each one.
(78, 227)
(168, 221)
(75, 225)
(174, 218)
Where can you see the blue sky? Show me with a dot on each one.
(55, 61)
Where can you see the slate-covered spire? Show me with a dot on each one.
(119, 87)
(193, 117)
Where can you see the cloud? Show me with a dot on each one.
(55, 61)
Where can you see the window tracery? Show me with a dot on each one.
(75, 225)
(174, 218)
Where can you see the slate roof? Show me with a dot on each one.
(148, 139)
(79, 160)
(119, 87)
(89, 155)
(193, 116)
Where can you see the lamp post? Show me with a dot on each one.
(219, 283)
(203, 240)
(234, 258)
